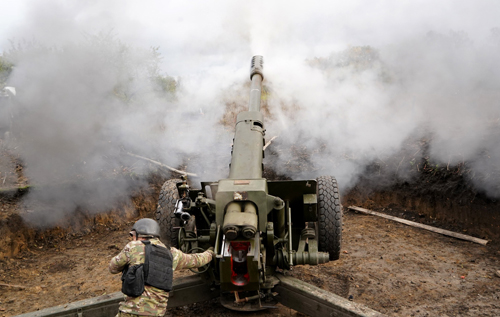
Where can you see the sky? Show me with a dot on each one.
(360, 80)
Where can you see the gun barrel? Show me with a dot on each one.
(256, 76)
(247, 154)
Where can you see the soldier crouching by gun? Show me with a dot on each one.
(147, 266)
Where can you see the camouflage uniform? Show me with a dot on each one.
(122, 314)
(153, 302)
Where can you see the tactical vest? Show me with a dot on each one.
(156, 271)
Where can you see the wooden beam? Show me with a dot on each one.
(422, 226)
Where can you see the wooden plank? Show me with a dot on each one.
(422, 226)
(316, 302)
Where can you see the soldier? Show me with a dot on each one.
(152, 300)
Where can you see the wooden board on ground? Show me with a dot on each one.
(422, 226)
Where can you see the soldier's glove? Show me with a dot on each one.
(211, 250)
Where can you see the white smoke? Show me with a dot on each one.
(350, 82)
(366, 105)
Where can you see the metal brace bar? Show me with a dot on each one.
(316, 302)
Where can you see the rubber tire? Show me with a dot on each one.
(329, 217)
(169, 224)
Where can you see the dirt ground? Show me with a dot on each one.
(389, 267)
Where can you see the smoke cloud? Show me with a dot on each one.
(349, 83)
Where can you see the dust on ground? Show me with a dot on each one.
(389, 267)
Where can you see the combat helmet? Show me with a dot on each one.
(146, 228)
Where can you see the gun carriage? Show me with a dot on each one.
(256, 226)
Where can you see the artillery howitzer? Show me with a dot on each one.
(258, 228)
